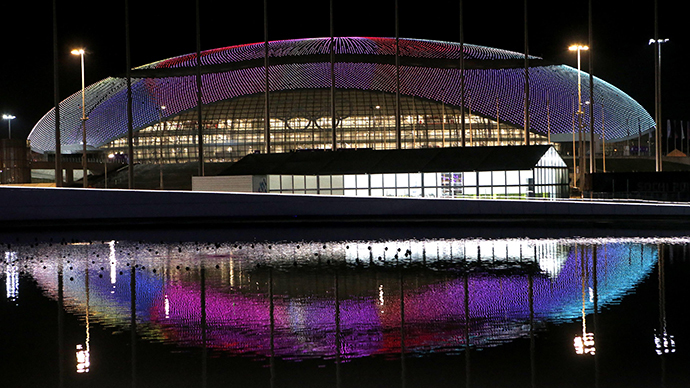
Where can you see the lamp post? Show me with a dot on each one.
(657, 98)
(579, 48)
(81, 52)
(9, 119)
(161, 126)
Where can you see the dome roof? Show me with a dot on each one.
(428, 69)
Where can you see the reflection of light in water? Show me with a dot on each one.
(83, 359)
(11, 276)
(549, 255)
(550, 258)
(664, 343)
(113, 265)
(237, 303)
(84, 352)
(381, 296)
(585, 344)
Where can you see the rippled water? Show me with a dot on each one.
(396, 313)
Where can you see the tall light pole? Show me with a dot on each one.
(579, 48)
(9, 119)
(161, 126)
(81, 52)
(657, 99)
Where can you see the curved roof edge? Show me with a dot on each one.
(552, 89)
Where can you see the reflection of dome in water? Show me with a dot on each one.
(432, 284)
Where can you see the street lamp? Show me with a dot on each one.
(9, 119)
(161, 126)
(81, 52)
(579, 48)
(657, 98)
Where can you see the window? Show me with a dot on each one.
(376, 180)
(362, 181)
(286, 182)
(298, 181)
(416, 180)
(402, 180)
(337, 182)
(470, 178)
(274, 182)
(350, 181)
(310, 182)
(498, 178)
(388, 180)
(512, 178)
(325, 181)
(484, 178)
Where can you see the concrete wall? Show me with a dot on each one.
(62, 206)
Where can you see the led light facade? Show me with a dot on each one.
(431, 104)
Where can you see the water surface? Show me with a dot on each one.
(359, 313)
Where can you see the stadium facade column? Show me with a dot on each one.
(526, 122)
(334, 139)
(592, 159)
(267, 118)
(398, 135)
(462, 76)
(200, 125)
(130, 130)
(56, 96)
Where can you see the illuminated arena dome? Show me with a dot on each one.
(365, 78)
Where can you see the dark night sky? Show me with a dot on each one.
(159, 30)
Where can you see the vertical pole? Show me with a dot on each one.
(204, 329)
(133, 322)
(267, 116)
(469, 113)
(526, 123)
(398, 140)
(498, 126)
(657, 87)
(592, 159)
(548, 121)
(334, 138)
(130, 129)
(575, 174)
(603, 137)
(56, 96)
(61, 322)
(462, 75)
(200, 127)
(84, 167)
(581, 148)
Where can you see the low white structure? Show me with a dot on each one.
(513, 172)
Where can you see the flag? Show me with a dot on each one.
(682, 131)
(668, 128)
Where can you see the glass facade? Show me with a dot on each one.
(300, 119)
(548, 179)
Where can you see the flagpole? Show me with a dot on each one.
(687, 145)
(603, 137)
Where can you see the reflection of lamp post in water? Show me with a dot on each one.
(663, 342)
(584, 344)
(84, 351)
